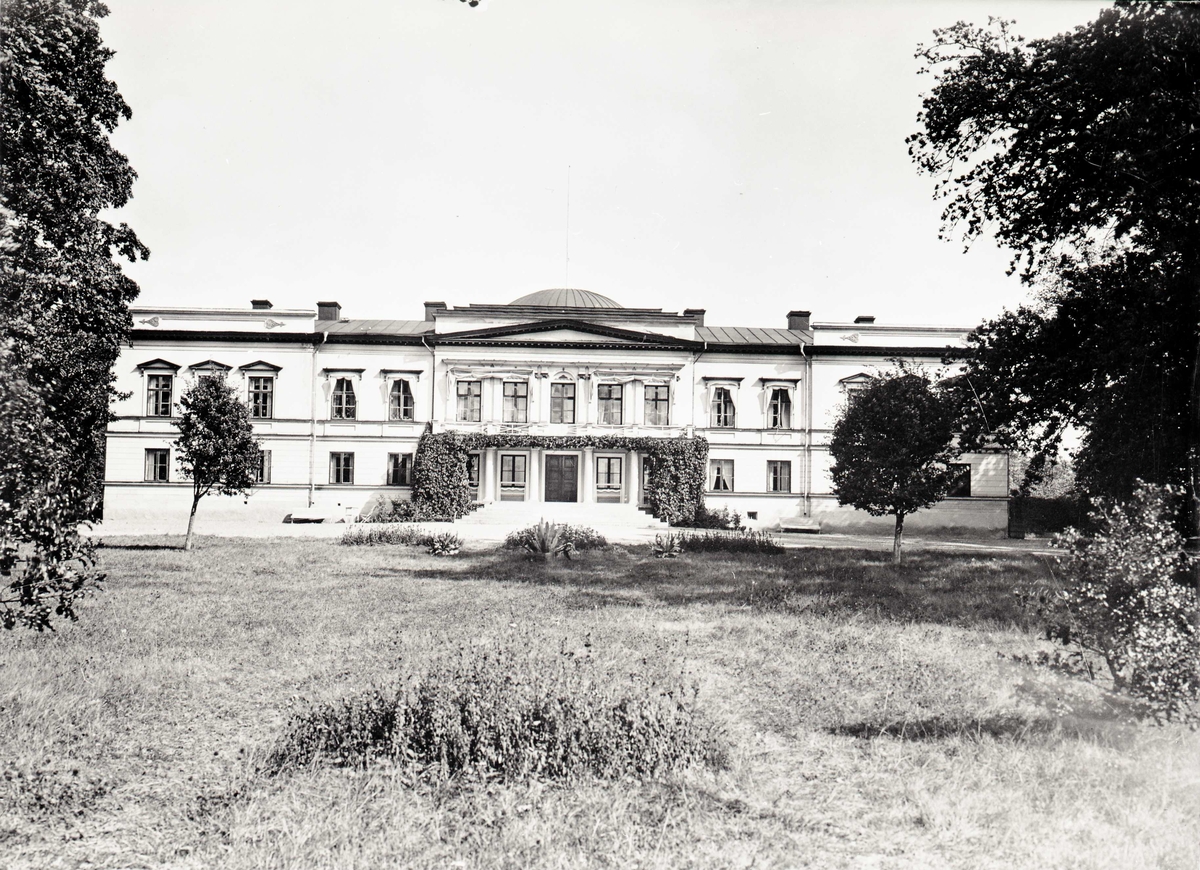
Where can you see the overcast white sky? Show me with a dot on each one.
(743, 157)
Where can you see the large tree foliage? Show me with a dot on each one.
(63, 299)
(216, 446)
(892, 447)
(1081, 153)
(44, 565)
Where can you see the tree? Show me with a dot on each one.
(64, 299)
(892, 447)
(44, 563)
(1081, 154)
(216, 444)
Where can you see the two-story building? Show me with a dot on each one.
(340, 404)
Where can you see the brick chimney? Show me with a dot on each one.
(261, 304)
(431, 310)
(329, 311)
(799, 320)
(697, 313)
(864, 319)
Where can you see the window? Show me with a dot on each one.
(341, 468)
(399, 469)
(658, 403)
(722, 407)
(779, 410)
(512, 471)
(401, 405)
(720, 473)
(473, 470)
(608, 472)
(158, 465)
(263, 473)
(779, 476)
(516, 402)
(609, 396)
(562, 403)
(344, 407)
(961, 487)
(158, 395)
(262, 397)
(470, 401)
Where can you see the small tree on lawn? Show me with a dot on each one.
(892, 447)
(216, 444)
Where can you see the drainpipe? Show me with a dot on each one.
(432, 381)
(808, 446)
(312, 420)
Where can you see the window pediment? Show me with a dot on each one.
(159, 365)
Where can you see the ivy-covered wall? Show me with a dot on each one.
(675, 490)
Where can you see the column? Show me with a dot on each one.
(534, 474)
(488, 473)
(629, 472)
(589, 475)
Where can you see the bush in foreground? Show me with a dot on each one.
(403, 534)
(1126, 597)
(547, 537)
(496, 713)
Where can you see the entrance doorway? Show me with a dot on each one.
(562, 478)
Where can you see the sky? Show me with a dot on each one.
(747, 157)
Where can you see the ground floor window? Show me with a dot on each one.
(513, 470)
(961, 487)
(399, 468)
(779, 475)
(608, 474)
(720, 475)
(341, 468)
(158, 465)
(473, 471)
(262, 474)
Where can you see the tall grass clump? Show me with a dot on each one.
(671, 544)
(497, 713)
(370, 534)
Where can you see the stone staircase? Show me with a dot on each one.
(519, 514)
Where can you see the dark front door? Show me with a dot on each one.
(562, 479)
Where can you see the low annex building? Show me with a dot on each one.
(340, 405)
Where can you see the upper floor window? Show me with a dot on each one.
(401, 405)
(516, 402)
(609, 396)
(158, 395)
(399, 469)
(262, 397)
(341, 468)
(158, 465)
(720, 475)
(658, 403)
(562, 403)
(779, 409)
(779, 476)
(345, 406)
(470, 401)
(262, 474)
(723, 412)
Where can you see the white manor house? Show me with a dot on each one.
(340, 405)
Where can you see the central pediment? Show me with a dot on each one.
(560, 331)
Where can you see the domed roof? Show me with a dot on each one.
(565, 297)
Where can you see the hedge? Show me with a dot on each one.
(675, 490)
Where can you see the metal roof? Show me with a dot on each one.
(374, 327)
(748, 335)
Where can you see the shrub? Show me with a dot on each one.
(718, 519)
(534, 538)
(392, 533)
(671, 544)
(499, 713)
(381, 509)
(445, 544)
(1124, 598)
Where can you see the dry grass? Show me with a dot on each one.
(872, 721)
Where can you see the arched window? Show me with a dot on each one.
(562, 402)
(344, 405)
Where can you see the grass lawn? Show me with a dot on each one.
(873, 717)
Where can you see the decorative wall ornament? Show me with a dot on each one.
(150, 321)
(271, 324)
(854, 336)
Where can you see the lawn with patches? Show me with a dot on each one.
(872, 716)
